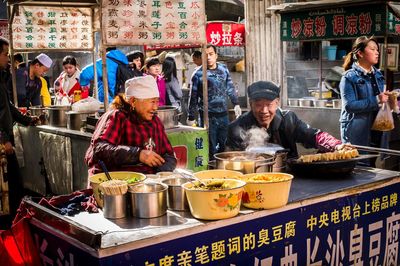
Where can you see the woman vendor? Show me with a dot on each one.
(130, 136)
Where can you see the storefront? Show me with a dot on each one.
(315, 38)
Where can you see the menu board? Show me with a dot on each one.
(145, 22)
(225, 34)
(52, 28)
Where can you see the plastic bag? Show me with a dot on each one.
(89, 104)
(384, 119)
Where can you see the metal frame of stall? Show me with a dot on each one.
(324, 7)
(13, 9)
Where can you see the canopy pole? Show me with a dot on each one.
(205, 86)
(11, 13)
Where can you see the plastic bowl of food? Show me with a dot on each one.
(267, 190)
(95, 180)
(218, 173)
(218, 199)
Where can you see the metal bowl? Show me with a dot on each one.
(337, 103)
(320, 103)
(306, 102)
(168, 116)
(293, 102)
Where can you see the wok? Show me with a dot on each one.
(331, 168)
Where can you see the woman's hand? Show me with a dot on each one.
(151, 158)
(383, 97)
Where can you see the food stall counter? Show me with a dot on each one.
(318, 209)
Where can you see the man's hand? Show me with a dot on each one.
(191, 123)
(9, 148)
(151, 158)
(238, 110)
(35, 121)
(344, 146)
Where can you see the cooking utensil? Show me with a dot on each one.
(373, 149)
(148, 200)
(103, 166)
(326, 168)
(76, 120)
(57, 115)
(189, 176)
(320, 103)
(306, 102)
(114, 206)
(215, 204)
(293, 102)
(245, 162)
(279, 153)
(96, 179)
(262, 194)
(176, 196)
(168, 116)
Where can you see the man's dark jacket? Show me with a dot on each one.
(8, 112)
(286, 129)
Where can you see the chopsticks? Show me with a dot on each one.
(372, 149)
(103, 166)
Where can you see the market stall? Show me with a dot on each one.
(316, 35)
(342, 220)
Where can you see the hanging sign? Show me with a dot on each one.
(4, 29)
(225, 34)
(166, 22)
(333, 23)
(52, 28)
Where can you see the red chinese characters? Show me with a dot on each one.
(365, 22)
(351, 25)
(308, 30)
(338, 25)
(320, 26)
(296, 27)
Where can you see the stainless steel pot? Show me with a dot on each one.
(76, 120)
(293, 102)
(57, 115)
(245, 162)
(168, 116)
(37, 110)
(148, 200)
(176, 196)
(306, 102)
(279, 153)
(337, 103)
(320, 103)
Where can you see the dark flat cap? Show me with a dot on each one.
(263, 90)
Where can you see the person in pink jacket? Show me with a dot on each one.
(154, 68)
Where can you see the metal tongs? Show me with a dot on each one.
(379, 150)
(188, 175)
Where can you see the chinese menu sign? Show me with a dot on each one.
(225, 34)
(151, 22)
(52, 28)
(4, 28)
(334, 23)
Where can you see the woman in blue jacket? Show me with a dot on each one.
(362, 92)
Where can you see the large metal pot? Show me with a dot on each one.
(279, 153)
(76, 120)
(168, 116)
(57, 115)
(245, 162)
(36, 110)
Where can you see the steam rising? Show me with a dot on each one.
(255, 137)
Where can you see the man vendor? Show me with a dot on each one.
(281, 127)
(130, 136)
